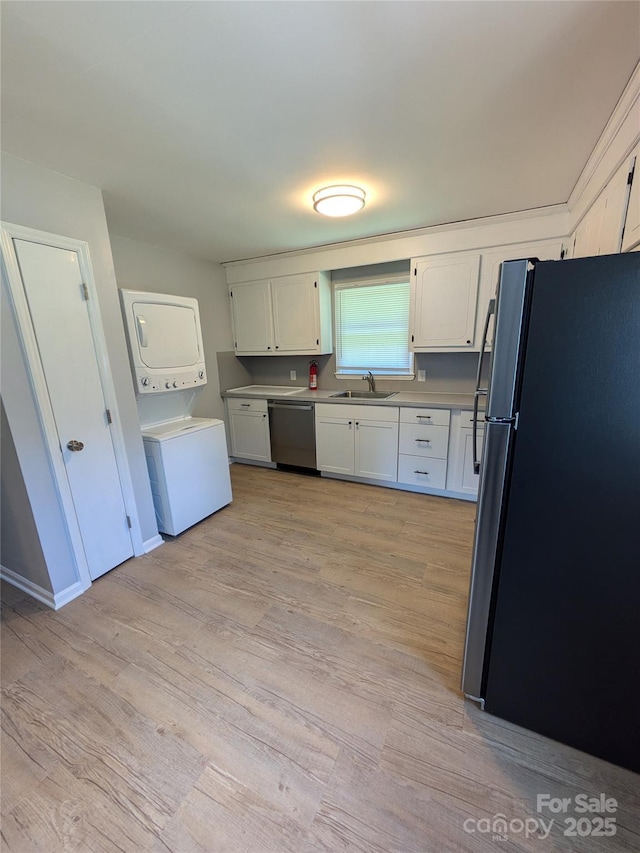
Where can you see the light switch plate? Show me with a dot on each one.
(292, 374)
(422, 376)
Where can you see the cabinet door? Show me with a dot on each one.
(250, 435)
(631, 236)
(295, 314)
(334, 445)
(600, 231)
(613, 215)
(251, 313)
(548, 250)
(461, 476)
(470, 479)
(444, 301)
(376, 450)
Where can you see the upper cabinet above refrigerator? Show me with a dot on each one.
(450, 294)
(631, 234)
(289, 315)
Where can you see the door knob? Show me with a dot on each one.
(75, 445)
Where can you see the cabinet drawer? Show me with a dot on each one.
(244, 404)
(424, 440)
(435, 417)
(419, 471)
(466, 420)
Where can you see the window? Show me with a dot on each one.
(372, 328)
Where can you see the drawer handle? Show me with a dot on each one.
(424, 417)
(421, 472)
(245, 405)
(424, 440)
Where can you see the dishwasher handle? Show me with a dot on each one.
(304, 406)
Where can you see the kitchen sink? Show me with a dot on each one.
(366, 395)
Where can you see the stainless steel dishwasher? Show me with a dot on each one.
(293, 433)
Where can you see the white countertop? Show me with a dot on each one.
(265, 391)
(430, 399)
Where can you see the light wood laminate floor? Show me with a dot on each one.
(282, 677)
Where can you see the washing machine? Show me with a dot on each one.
(188, 470)
(186, 456)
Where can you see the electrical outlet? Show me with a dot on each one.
(292, 374)
(422, 376)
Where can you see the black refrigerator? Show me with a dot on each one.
(553, 627)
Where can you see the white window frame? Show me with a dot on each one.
(372, 281)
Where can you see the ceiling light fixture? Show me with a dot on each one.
(342, 200)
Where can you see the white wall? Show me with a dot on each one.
(140, 266)
(509, 229)
(616, 143)
(39, 198)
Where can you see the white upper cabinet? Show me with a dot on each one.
(296, 307)
(444, 297)
(631, 236)
(600, 230)
(290, 315)
(543, 250)
(251, 312)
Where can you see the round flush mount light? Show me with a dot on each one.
(341, 200)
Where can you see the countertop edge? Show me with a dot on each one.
(432, 400)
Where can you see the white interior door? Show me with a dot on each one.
(55, 296)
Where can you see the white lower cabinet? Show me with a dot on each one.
(422, 472)
(249, 429)
(423, 447)
(417, 448)
(334, 443)
(360, 441)
(462, 478)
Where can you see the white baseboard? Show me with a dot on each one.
(402, 487)
(68, 594)
(154, 542)
(257, 462)
(53, 600)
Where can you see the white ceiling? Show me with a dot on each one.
(209, 124)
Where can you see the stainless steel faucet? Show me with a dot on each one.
(370, 379)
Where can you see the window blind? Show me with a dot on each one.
(372, 328)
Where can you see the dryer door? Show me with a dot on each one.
(167, 335)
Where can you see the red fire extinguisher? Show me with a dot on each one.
(313, 375)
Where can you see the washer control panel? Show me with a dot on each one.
(175, 381)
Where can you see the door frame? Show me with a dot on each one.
(35, 372)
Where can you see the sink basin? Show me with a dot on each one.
(366, 395)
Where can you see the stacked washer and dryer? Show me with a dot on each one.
(186, 456)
